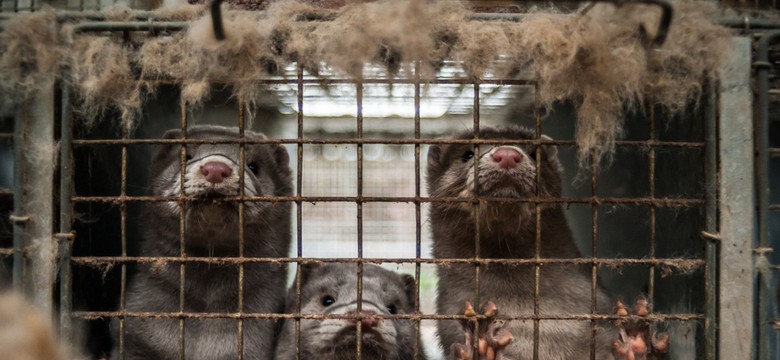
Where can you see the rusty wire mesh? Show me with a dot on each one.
(657, 146)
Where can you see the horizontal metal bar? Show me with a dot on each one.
(595, 200)
(397, 141)
(687, 264)
(130, 26)
(384, 80)
(99, 315)
(6, 252)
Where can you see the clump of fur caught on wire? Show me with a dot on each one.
(597, 61)
(30, 57)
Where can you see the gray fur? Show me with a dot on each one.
(508, 230)
(333, 339)
(211, 230)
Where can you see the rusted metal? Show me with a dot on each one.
(417, 211)
(299, 213)
(182, 224)
(711, 239)
(96, 315)
(391, 141)
(686, 265)
(66, 216)
(658, 202)
(359, 119)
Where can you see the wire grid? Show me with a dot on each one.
(595, 201)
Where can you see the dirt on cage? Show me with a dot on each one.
(597, 60)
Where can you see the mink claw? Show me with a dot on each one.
(492, 335)
(637, 338)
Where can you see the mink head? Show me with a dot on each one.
(332, 289)
(213, 171)
(507, 171)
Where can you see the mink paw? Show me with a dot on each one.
(492, 335)
(638, 338)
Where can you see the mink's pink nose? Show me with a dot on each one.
(215, 171)
(368, 322)
(507, 157)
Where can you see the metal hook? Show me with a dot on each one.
(663, 26)
(216, 19)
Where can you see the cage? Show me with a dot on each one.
(677, 209)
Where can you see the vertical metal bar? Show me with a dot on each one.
(477, 212)
(241, 193)
(594, 218)
(182, 224)
(66, 215)
(417, 212)
(765, 308)
(299, 215)
(711, 225)
(537, 230)
(736, 205)
(19, 243)
(123, 235)
(38, 201)
(651, 171)
(359, 93)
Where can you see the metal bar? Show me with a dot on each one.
(38, 201)
(241, 235)
(398, 141)
(594, 213)
(18, 241)
(672, 263)
(182, 224)
(359, 332)
(98, 315)
(477, 210)
(130, 26)
(736, 293)
(766, 310)
(659, 202)
(417, 211)
(66, 215)
(660, 34)
(651, 208)
(711, 226)
(299, 215)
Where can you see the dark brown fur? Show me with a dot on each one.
(211, 229)
(507, 230)
(334, 339)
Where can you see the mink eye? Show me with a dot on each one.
(253, 168)
(327, 300)
(188, 157)
(392, 309)
(468, 155)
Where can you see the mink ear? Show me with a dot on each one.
(306, 269)
(281, 156)
(411, 290)
(551, 150)
(172, 134)
(434, 155)
(164, 149)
